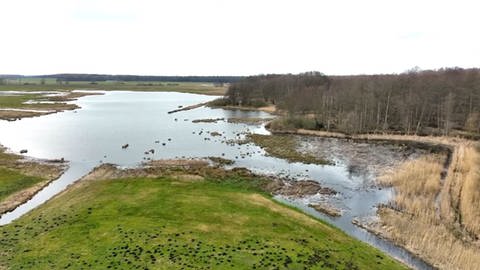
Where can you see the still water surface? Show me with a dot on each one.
(94, 134)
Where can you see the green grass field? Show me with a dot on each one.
(162, 223)
(12, 181)
(17, 174)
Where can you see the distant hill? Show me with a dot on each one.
(10, 76)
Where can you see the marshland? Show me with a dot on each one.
(124, 179)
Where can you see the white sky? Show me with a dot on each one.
(236, 37)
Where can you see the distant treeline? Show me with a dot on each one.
(129, 78)
(415, 102)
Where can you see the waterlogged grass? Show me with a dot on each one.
(285, 147)
(147, 223)
(16, 101)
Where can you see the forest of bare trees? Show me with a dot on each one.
(416, 102)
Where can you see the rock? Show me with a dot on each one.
(326, 209)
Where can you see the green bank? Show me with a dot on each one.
(177, 223)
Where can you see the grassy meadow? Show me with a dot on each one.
(174, 223)
(12, 181)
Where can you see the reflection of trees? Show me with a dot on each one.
(357, 170)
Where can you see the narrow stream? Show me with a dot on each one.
(94, 134)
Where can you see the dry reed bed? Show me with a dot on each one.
(439, 219)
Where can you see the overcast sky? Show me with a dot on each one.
(236, 37)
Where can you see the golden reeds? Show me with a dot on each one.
(439, 220)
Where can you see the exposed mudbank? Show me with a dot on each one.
(358, 156)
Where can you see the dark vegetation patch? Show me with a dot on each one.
(285, 147)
